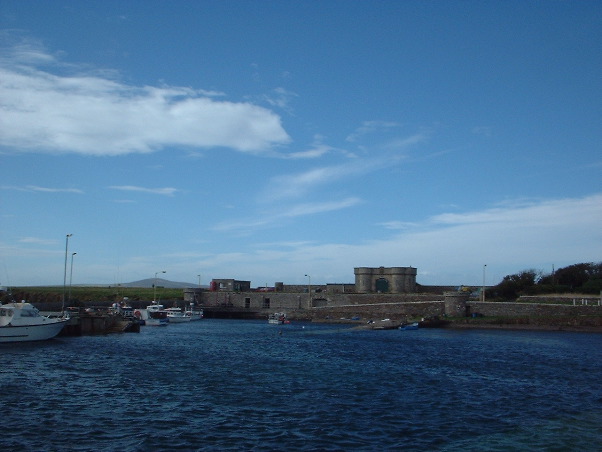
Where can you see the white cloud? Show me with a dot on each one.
(451, 249)
(403, 143)
(528, 213)
(96, 115)
(166, 191)
(397, 225)
(320, 207)
(36, 188)
(280, 98)
(37, 241)
(445, 249)
(369, 127)
(296, 185)
(316, 151)
(293, 211)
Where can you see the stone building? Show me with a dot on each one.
(385, 279)
(230, 285)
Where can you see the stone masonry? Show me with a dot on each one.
(385, 279)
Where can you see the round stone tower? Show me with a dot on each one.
(363, 279)
(403, 279)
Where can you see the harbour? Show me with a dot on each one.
(224, 384)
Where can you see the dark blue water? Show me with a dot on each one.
(240, 385)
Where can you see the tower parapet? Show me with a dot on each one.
(385, 279)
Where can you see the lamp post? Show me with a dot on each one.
(309, 291)
(71, 277)
(199, 291)
(484, 267)
(65, 274)
(155, 286)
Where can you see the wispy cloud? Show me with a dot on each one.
(94, 114)
(165, 191)
(314, 208)
(523, 211)
(390, 137)
(507, 239)
(281, 98)
(405, 142)
(36, 188)
(369, 127)
(37, 241)
(297, 185)
(397, 225)
(293, 211)
(315, 151)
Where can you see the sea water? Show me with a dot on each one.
(247, 385)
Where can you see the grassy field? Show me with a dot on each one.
(94, 294)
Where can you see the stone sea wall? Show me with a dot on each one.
(532, 309)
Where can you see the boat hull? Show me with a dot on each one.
(195, 315)
(31, 333)
(278, 318)
(178, 318)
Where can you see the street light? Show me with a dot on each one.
(309, 291)
(71, 277)
(155, 286)
(484, 267)
(65, 274)
(198, 292)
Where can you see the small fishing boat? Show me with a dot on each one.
(409, 326)
(194, 313)
(175, 315)
(278, 318)
(157, 316)
(22, 322)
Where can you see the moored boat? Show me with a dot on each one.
(175, 315)
(194, 313)
(409, 326)
(157, 316)
(278, 318)
(22, 322)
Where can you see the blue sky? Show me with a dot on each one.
(269, 140)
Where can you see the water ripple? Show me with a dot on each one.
(236, 385)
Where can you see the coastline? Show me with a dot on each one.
(523, 324)
(524, 327)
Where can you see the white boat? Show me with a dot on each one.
(157, 316)
(22, 322)
(175, 315)
(194, 314)
(278, 318)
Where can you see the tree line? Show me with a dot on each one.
(585, 278)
